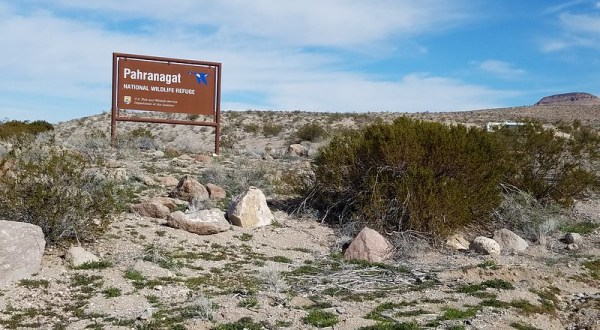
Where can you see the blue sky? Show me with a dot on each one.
(313, 55)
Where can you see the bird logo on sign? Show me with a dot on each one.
(200, 77)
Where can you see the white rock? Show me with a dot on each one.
(250, 209)
(509, 241)
(485, 245)
(203, 222)
(77, 256)
(21, 250)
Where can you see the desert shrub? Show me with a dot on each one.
(549, 166)
(57, 190)
(138, 138)
(410, 175)
(9, 129)
(270, 129)
(310, 132)
(251, 128)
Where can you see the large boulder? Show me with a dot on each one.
(485, 245)
(203, 222)
(152, 209)
(369, 245)
(21, 250)
(509, 241)
(189, 189)
(249, 209)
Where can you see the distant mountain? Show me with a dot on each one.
(570, 99)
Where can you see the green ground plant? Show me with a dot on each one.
(320, 318)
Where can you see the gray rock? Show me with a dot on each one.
(77, 256)
(370, 246)
(250, 209)
(509, 241)
(21, 250)
(485, 245)
(203, 222)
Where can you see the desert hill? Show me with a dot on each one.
(576, 98)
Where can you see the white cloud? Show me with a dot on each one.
(501, 69)
(64, 57)
(333, 23)
(414, 92)
(577, 31)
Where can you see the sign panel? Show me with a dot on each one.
(166, 86)
(151, 83)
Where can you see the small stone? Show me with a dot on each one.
(370, 246)
(299, 301)
(78, 256)
(485, 245)
(572, 247)
(573, 238)
(147, 314)
(189, 189)
(297, 150)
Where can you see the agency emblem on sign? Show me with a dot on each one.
(127, 99)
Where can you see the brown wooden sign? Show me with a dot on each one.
(150, 83)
